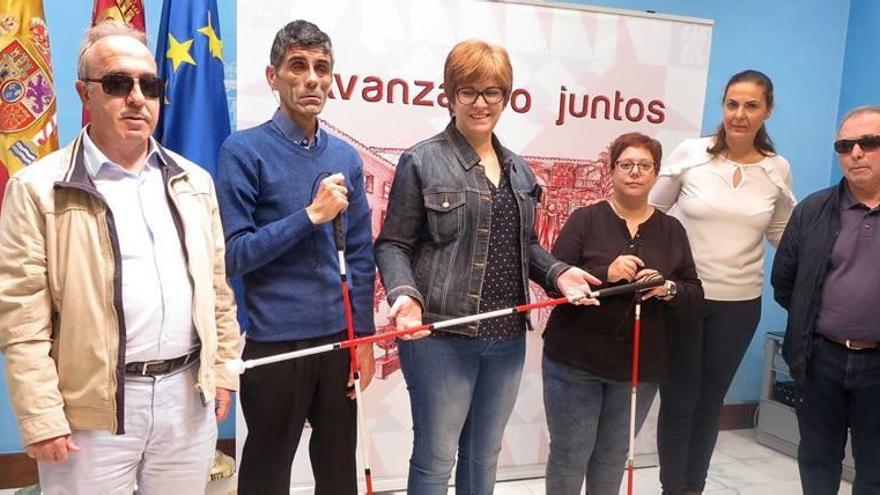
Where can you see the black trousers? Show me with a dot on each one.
(705, 350)
(277, 399)
(840, 395)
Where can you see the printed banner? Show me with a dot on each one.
(581, 78)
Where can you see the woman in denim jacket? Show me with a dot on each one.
(459, 239)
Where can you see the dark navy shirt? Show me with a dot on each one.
(502, 283)
(851, 293)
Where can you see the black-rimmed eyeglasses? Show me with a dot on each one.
(469, 95)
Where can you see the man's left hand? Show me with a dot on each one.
(366, 365)
(222, 401)
(575, 283)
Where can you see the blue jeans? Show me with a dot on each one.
(841, 392)
(461, 394)
(588, 419)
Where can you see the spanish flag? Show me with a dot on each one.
(27, 91)
(130, 12)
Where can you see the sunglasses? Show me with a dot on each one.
(866, 143)
(122, 84)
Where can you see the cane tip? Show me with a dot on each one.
(236, 366)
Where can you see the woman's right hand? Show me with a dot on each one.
(624, 267)
(405, 313)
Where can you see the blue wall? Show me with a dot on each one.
(804, 48)
(801, 46)
(859, 65)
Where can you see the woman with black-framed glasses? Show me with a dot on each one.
(588, 350)
(730, 191)
(459, 239)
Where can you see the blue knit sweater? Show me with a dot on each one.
(289, 266)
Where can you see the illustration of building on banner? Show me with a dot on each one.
(567, 183)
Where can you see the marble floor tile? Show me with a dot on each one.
(741, 445)
(739, 467)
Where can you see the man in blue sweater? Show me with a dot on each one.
(280, 186)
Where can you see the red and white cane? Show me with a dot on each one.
(637, 330)
(239, 366)
(339, 236)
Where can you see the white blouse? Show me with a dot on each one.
(726, 224)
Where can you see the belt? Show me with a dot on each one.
(161, 366)
(853, 345)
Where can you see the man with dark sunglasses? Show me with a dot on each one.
(116, 318)
(826, 275)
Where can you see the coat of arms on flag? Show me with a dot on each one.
(27, 93)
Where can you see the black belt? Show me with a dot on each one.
(161, 366)
(853, 345)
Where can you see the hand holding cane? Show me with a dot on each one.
(339, 237)
(239, 366)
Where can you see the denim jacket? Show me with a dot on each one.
(435, 238)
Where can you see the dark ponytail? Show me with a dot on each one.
(763, 143)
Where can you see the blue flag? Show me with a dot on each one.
(194, 119)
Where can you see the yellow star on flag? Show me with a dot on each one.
(214, 42)
(179, 52)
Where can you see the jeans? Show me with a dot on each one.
(168, 445)
(462, 393)
(841, 392)
(588, 419)
(705, 351)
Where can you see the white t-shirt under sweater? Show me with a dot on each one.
(726, 224)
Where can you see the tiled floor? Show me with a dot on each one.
(739, 467)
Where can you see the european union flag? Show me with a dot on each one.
(194, 119)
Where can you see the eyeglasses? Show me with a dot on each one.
(122, 84)
(468, 95)
(626, 166)
(866, 143)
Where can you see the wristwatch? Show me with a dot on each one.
(671, 289)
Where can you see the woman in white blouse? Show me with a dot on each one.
(730, 191)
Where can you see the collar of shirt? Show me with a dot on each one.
(101, 167)
(291, 130)
(849, 202)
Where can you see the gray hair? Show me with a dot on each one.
(856, 112)
(302, 34)
(101, 30)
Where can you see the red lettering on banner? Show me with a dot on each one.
(426, 86)
(374, 89)
(656, 109)
(603, 107)
(345, 92)
(404, 89)
(520, 101)
(377, 88)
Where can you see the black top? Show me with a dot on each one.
(502, 283)
(598, 339)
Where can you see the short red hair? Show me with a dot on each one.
(635, 140)
(475, 60)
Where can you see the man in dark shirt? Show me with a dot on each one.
(826, 275)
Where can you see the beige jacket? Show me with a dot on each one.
(62, 327)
